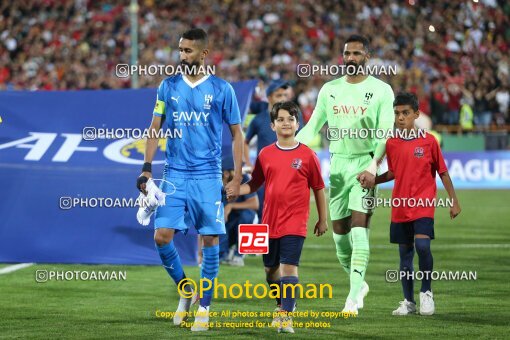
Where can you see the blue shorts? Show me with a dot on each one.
(285, 250)
(192, 202)
(403, 233)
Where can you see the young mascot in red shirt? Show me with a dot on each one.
(289, 169)
(413, 163)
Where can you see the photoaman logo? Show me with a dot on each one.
(188, 288)
(253, 238)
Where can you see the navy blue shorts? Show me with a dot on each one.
(286, 250)
(403, 233)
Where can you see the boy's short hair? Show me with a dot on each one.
(291, 107)
(406, 98)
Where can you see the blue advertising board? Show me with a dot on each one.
(468, 170)
(44, 159)
(45, 162)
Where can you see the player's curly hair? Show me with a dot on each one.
(406, 98)
(291, 107)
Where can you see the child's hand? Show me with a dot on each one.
(320, 228)
(232, 189)
(229, 193)
(455, 210)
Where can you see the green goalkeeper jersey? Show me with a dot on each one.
(348, 107)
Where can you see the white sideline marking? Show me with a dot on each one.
(14, 267)
(439, 246)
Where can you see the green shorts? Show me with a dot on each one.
(345, 192)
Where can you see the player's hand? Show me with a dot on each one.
(455, 210)
(232, 189)
(227, 211)
(361, 179)
(366, 179)
(320, 228)
(141, 181)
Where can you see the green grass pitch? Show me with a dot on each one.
(478, 240)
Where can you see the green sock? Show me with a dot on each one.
(343, 245)
(368, 240)
(359, 261)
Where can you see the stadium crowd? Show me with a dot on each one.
(451, 53)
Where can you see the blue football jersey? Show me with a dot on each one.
(198, 110)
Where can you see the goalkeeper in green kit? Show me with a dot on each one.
(350, 104)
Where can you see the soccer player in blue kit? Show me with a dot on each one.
(198, 104)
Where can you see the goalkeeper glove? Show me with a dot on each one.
(148, 204)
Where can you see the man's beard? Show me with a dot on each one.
(356, 65)
(190, 68)
(196, 63)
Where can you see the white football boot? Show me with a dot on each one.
(405, 308)
(427, 306)
(350, 307)
(286, 325)
(201, 320)
(361, 295)
(182, 313)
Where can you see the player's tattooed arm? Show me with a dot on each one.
(246, 156)
(448, 185)
(150, 150)
(232, 187)
(385, 122)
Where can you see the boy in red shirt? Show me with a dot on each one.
(289, 169)
(413, 163)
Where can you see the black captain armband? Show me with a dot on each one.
(147, 167)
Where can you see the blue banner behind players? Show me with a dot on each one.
(68, 161)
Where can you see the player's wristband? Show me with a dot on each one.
(147, 167)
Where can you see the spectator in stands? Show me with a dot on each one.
(481, 107)
(438, 103)
(453, 104)
(466, 115)
(69, 44)
(503, 99)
